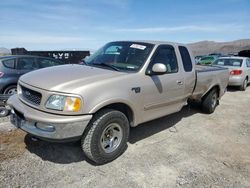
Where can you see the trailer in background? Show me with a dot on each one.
(69, 57)
(244, 53)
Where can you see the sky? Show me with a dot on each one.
(81, 24)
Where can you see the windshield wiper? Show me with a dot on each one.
(107, 65)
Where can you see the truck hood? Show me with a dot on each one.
(66, 78)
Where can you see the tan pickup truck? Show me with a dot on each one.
(122, 85)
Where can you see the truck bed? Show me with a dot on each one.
(208, 77)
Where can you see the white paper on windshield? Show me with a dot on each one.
(130, 67)
(138, 46)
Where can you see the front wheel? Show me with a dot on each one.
(210, 102)
(10, 90)
(106, 136)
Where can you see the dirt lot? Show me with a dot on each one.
(187, 149)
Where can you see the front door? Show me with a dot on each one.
(163, 94)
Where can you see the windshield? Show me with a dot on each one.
(124, 56)
(228, 62)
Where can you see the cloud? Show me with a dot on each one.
(183, 28)
(41, 39)
(117, 3)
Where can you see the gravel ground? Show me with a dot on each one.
(186, 149)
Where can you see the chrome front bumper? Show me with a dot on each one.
(46, 125)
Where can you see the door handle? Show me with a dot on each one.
(179, 82)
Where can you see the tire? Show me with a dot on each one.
(106, 136)
(10, 90)
(4, 112)
(243, 86)
(210, 102)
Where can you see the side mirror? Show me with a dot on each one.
(157, 69)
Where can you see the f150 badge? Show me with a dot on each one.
(136, 89)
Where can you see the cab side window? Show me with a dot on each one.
(26, 63)
(166, 55)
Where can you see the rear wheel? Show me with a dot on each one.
(210, 102)
(243, 86)
(106, 136)
(10, 90)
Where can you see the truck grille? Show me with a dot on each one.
(31, 96)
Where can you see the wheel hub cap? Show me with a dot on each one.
(214, 100)
(111, 137)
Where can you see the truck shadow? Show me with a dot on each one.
(233, 89)
(62, 153)
(65, 153)
(153, 127)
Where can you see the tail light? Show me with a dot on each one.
(1, 74)
(236, 72)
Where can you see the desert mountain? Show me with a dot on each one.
(4, 51)
(207, 47)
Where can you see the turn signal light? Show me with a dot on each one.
(72, 104)
(236, 72)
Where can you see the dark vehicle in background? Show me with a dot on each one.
(239, 70)
(12, 67)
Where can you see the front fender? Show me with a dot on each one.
(116, 101)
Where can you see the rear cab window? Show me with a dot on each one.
(9, 63)
(186, 59)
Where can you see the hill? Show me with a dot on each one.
(207, 47)
(4, 51)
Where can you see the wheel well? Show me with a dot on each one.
(122, 108)
(217, 88)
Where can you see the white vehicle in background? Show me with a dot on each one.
(239, 69)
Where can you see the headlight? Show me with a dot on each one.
(64, 103)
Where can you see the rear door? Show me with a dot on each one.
(26, 64)
(188, 71)
(163, 94)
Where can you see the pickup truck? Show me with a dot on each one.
(122, 85)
